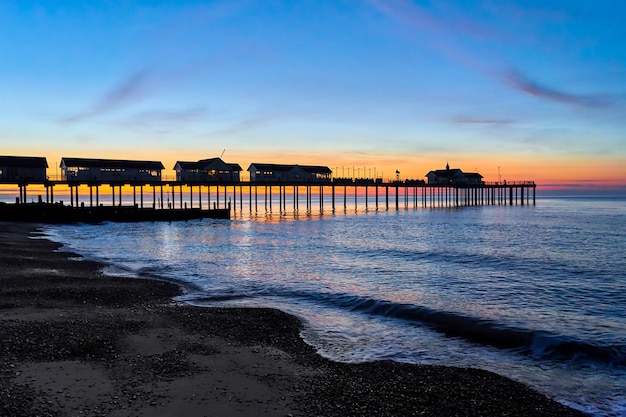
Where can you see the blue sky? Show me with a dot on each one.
(537, 88)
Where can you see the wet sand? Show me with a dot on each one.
(76, 343)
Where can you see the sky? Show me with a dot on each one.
(515, 90)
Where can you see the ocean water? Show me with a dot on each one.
(536, 292)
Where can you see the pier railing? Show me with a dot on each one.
(511, 183)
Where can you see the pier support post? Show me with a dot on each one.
(376, 197)
(270, 198)
(397, 204)
(386, 197)
(366, 192)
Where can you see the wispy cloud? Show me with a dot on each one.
(184, 115)
(452, 34)
(243, 125)
(409, 13)
(154, 81)
(439, 21)
(149, 118)
(470, 121)
(129, 89)
(522, 83)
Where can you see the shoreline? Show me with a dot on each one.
(78, 342)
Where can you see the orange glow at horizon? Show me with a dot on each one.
(545, 170)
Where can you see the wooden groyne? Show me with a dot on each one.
(58, 213)
(173, 200)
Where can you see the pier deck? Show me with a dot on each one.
(173, 200)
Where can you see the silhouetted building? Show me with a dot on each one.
(288, 173)
(207, 170)
(453, 176)
(22, 168)
(86, 169)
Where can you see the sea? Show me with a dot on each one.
(534, 292)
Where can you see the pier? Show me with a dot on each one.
(172, 200)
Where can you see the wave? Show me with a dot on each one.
(539, 344)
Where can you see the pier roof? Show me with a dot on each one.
(317, 169)
(210, 161)
(23, 161)
(110, 163)
(205, 164)
(445, 173)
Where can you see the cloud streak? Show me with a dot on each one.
(129, 89)
(243, 125)
(524, 84)
(443, 23)
(472, 121)
(451, 33)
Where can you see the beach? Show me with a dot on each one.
(75, 342)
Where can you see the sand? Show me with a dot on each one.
(76, 343)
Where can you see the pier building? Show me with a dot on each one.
(86, 169)
(23, 168)
(453, 176)
(276, 173)
(207, 170)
